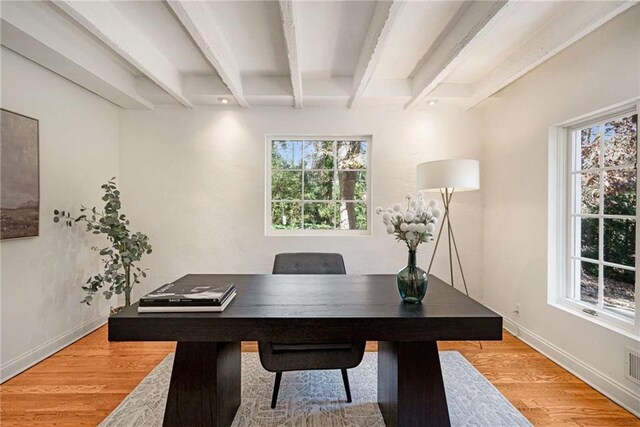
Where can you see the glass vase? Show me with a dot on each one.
(412, 281)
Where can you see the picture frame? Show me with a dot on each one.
(19, 175)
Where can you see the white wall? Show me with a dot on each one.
(41, 276)
(600, 70)
(195, 182)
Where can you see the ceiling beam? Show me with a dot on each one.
(384, 18)
(194, 17)
(559, 34)
(56, 49)
(471, 24)
(104, 21)
(289, 24)
(270, 91)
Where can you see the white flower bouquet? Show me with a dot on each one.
(416, 224)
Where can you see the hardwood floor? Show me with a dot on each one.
(84, 382)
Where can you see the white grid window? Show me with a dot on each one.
(602, 216)
(318, 185)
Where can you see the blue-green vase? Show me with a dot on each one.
(412, 281)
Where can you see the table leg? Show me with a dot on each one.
(205, 385)
(410, 386)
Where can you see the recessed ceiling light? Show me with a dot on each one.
(223, 100)
(433, 102)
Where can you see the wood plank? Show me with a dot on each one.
(40, 396)
(384, 19)
(290, 28)
(471, 24)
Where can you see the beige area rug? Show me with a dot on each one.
(316, 398)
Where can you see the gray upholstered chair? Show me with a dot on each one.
(282, 357)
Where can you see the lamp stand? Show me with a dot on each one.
(447, 195)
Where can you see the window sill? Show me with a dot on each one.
(621, 327)
(318, 233)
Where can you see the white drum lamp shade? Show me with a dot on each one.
(457, 174)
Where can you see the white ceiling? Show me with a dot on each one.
(156, 22)
(417, 29)
(331, 35)
(249, 29)
(524, 21)
(138, 54)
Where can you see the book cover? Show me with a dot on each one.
(185, 294)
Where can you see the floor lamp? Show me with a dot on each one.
(447, 177)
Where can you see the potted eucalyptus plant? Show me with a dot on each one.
(120, 257)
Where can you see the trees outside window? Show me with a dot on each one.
(603, 214)
(318, 184)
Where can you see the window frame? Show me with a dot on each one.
(561, 285)
(269, 231)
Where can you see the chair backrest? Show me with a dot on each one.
(308, 263)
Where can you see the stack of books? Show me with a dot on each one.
(185, 297)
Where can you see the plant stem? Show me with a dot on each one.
(127, 286)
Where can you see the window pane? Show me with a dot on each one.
(352, 185)
(319, 216)
(286, 185)
(351, 216)
(352, 154)
(590, 148)
(286, 216)
(318, 155)
(620, 141)
(620, 241)
(587, 229)
(589, 193)
(286, 155)
(620, 192)
(588, 282)
(619, 289)
(318, 185)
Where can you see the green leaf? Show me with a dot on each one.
(56, 212)
(56, 219)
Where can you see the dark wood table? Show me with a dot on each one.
(205, 381)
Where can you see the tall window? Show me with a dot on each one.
(603, 214)
(318, 186)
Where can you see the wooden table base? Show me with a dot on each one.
(410, 386)
(205, 385)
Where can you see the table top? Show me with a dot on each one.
(319, 308)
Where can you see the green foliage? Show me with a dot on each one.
(619, 149)
(333, 174)
(319, 216)
(318, 185)
(286, 185)
(286, 215)
(120, 272)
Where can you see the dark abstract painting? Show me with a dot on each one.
(19, 176)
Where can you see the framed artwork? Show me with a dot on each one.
(19, 176)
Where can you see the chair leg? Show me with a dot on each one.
(276, 388)
(345, 378)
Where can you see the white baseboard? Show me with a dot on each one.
(27, 360)
(612, 389)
